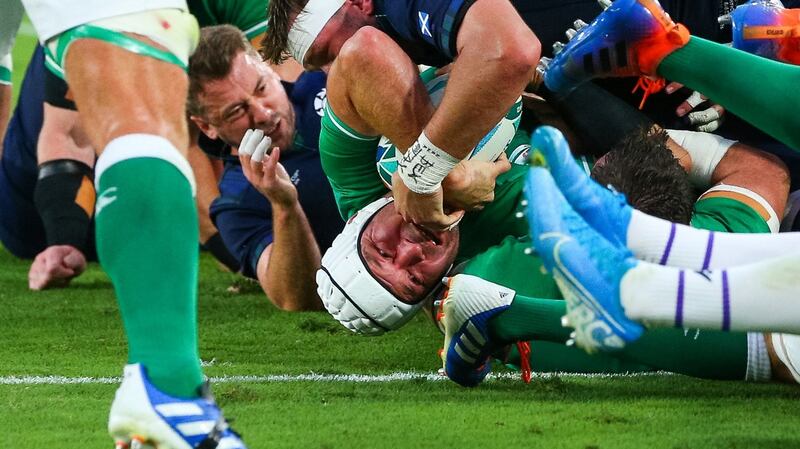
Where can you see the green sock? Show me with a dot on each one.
(708, 354)
(539, 322)
(759, 90)
(530, 319)
(147, 243)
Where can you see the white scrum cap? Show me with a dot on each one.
(348, 289)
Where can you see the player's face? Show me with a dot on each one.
(406, 259)
(251, 96)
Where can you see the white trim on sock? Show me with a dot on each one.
(758, 365)
(135, 146)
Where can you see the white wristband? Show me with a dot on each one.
(423, 166)
(706, 151)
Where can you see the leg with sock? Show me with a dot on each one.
(749, 86)
(761, 296)
(133, 105)
(636, 37)
(706, 354)
(649, 238)
(147, 242)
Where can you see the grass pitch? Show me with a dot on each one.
(76, 333)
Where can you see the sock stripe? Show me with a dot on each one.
(670, 241)
(726, 302)
(679, 302)
(709, 249)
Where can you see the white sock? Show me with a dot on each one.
(760, 297)
(659, 241)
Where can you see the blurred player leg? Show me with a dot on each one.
(127, 72)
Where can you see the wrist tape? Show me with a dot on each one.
(706, 151)
(64, 197)
(423, 166)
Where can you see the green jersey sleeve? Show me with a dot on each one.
(508, 265)
(348, 159)
(714, 212)
(250, 16)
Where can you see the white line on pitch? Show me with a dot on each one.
(313, 377)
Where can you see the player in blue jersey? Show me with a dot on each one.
(495, 55)
(46, 193)
(275, 224)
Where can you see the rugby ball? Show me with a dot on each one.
(488, 149)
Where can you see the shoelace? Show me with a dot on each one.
(649, 86)
(524, 349)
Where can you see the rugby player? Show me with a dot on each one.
(125, 64)
(380, 270)
(495, 56)
(674, 58)
(61, 252)
(276, 223)
(703, 279)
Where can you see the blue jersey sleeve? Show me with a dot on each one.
(425, 29)
(244, 219)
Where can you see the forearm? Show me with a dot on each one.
(62, 137)
(757, 171)
(492, 69)
(288, 274)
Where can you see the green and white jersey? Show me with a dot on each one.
(6, 65)
(725, 208)
(250, 16)
(508, 265)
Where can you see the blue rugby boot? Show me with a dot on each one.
(605, 210)
(142, 416)
(467, 307)
(765, 28)
(629, 38)
(587, 268)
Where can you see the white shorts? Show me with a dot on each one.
(174, 30)
(53, 17)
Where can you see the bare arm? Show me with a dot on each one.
(497, 56)
(757, 171)
(63, 137)
(287, 268)
(741, 166)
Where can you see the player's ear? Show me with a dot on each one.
(365, 6)
(207, 128)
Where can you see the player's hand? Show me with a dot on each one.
(55, 267)
(470, 185)
(262, 169)
(424, 210)
(707, 119)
